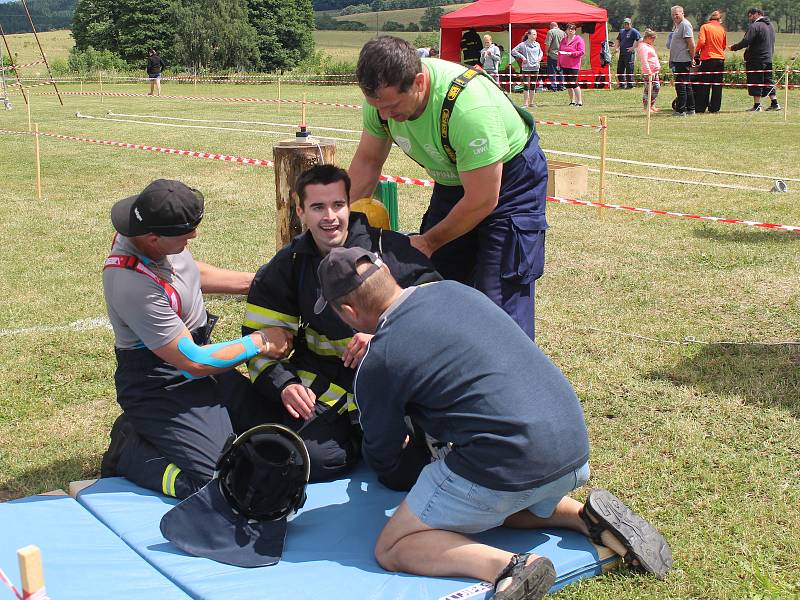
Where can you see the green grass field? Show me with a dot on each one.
(699, 435)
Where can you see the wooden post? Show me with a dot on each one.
(41, 51)
(279, 94)
(11, 61)
(601, 194)
(292, 157)
(649, 100)
(38, 163)
(101, 86)
(30, 570)
(28, 106)
(786, 98)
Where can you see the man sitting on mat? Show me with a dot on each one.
(316, 381)
(452, 361)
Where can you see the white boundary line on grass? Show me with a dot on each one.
(665, 166)
(323, 137)
(79, 325)
(709, 184)
(229, 121)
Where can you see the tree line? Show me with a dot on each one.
(46, 14)
(262, 35)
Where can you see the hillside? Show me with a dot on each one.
(47, 15)
(375, 20)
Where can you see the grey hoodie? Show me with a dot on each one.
(531, 51)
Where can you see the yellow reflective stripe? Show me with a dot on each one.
(257, 365)
(323, 345)
(257, 317)
(168, 480)
(332, 395)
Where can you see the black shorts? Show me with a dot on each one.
(570, 77)
(760, 84)
(530, 78)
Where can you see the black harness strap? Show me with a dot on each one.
(456, 87)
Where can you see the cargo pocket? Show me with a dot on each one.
(523, 251)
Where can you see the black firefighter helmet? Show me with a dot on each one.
(239, 518)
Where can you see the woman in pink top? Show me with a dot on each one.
(648, 57)
(570, 52)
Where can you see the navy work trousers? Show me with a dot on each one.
(504, 255)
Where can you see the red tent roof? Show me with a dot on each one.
(484, 13)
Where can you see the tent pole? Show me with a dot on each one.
(608, 66)
(510, 46)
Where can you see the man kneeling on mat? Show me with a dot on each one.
(513, 424)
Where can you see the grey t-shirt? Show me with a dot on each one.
(552, 41)
(138, 307)
(679, 48)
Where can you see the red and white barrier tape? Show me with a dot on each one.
(215, 99)
(406, 180)
(37, 595)
(571, 124)
(12, 67)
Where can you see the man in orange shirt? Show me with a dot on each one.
(711, 44)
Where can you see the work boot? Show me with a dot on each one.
(120, 435)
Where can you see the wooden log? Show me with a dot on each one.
(292, 157)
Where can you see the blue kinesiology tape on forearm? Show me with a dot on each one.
(204, 355)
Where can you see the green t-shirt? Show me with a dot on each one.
(484, 127)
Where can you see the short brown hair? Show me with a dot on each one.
(373, 292)
(387, 61)
(320, 175)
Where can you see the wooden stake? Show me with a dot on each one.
(11, 60)
(601, 194)
(28, 106)
(41, 50)
(786, 98)
(38, 164)
(101, 87)
(30, 570)
(279, 94)
(303, 122)
(649, 100)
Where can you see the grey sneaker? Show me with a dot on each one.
(676, 113)
(774, 106)
(756, 108)
(690, 113)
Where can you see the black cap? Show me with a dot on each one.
(165, 207)
(338, 274)
(239, 518)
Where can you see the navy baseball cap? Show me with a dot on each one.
(338, 275)
(240, 517)
(165, 207)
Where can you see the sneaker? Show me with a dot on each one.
(120, 435)
(690, 113)
(756, 108)
(676, 113)
(774, 106)
(572, 104)
(579, 104)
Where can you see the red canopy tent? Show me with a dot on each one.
(516, 16)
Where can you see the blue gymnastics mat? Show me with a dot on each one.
(82, 559)
(328, 552)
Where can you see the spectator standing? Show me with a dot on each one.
(681, 53)
(651, 66)
(431, 52)
(490, 57)
(529, 53)
(154, 67)
(471, 47)
(711, 43)
(570, 52)
(759, 39)
(626, 40)
(551, 43)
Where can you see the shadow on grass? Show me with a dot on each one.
(762, 375)
(51, 476)
(746, 236)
